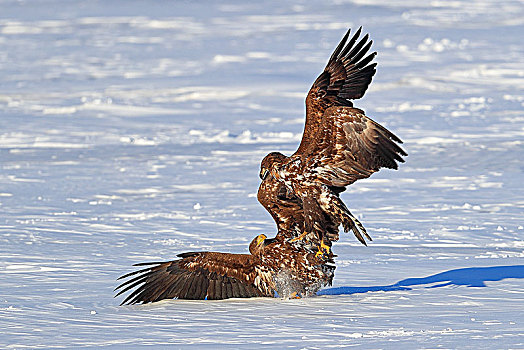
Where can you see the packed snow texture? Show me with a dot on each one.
(133, 131)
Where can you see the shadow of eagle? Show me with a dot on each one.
(469, 277)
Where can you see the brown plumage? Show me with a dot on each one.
(273, 266)
(340, 145)
(288, 212)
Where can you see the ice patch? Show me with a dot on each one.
(24, 268)
(405, 107)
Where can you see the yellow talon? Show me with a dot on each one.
(325, 247)
(322, 249)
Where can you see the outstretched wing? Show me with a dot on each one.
(351, 146)
(346, 77)
(201, 275)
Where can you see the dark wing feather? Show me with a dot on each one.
(346, 77)
(204, 275)
(352, 146)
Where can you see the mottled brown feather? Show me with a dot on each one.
(346, 77)
(350, 147)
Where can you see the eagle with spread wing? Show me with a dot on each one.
(274, 266)
(340, 145)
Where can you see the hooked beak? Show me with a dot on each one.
(263, 174)
(261, 239)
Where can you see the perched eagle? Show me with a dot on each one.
(340, 145)
(274, 266)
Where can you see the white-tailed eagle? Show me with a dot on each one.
(340, 145)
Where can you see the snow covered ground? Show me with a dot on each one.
(132, 131)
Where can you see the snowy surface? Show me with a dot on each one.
(132, 131)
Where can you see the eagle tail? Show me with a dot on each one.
(350, 222)
(332, 206)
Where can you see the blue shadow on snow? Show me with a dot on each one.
(469, 277)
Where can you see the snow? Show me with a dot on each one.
(133, 131)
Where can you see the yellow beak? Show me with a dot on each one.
(260, 239)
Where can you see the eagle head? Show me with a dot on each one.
(257, 244)
(270, 162)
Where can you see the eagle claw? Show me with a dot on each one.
(323, 249)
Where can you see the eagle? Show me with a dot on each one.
(339, 146)
(274, 266)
